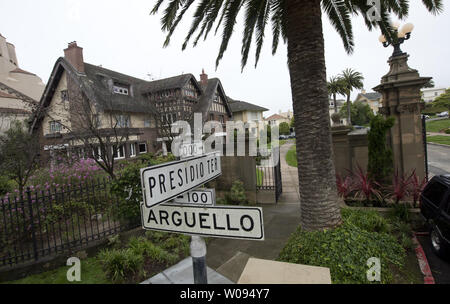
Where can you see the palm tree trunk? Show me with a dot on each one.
(319, 202)
(349, 111)
(335, 104)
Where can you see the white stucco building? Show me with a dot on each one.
(19, 90)
(429, 95)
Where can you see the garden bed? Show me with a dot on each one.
(346, 249)
(123, 261)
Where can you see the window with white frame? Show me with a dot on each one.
(121, 89)
(123, 121)
(147, 122)
(142, 148)
(132, 150)
(118, 153)
(55, 127)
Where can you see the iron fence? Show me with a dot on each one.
(48, 222)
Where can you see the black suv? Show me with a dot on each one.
(435, 207)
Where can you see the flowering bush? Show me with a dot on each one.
(73, 172)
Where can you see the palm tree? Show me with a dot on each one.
(351, 80)
(335, 87)
(299, 24)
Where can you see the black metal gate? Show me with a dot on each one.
(269, 177)
(424, 137)
(277, 174)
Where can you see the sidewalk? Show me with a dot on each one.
(226, 258)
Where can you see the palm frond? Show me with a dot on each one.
(251, 16)
(229, 21)
(339, 16)
(260, 27)
(278, 23)
(174, 25)
(434, 6)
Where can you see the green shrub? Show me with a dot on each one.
(346, 249)
(127, 185)
(447, 131)
(400, 212)
(120, 263)
(237, 193)
(6, 185)
(367, 220)
(144, 247)
(172, 242)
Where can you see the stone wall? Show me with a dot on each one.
(350, 149)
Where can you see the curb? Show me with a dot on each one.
(439, 145)
(423, 262)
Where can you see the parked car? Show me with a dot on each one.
(283, 137)
(358, 127)
(443, 114)
(426, 116)
(435, 208)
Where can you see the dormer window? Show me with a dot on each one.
(121, 89)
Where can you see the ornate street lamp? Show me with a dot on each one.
(402, 35)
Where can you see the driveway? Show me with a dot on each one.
(438, 160)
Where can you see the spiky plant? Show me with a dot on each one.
(299, 24)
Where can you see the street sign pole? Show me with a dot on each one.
(198, 254)
(198, 245)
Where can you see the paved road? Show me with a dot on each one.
(439, 267)
(438, 160)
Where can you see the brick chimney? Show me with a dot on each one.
(74, 55)
(203, 78)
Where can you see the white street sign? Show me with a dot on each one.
(218, 221)
(189, 150)
(200, 197)
(165, 182)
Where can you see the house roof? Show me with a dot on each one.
(207, 98)
(275, 117)
(239, 106)
(16, 94)
(14, 111)
(371, 96)
(6, 95)
(97, 84)
(20, 71)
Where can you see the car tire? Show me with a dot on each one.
(437, 243)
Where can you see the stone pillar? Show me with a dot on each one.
(402, 100)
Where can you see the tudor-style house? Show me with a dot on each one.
(82, 101)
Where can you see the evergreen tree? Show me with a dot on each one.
(381, 162)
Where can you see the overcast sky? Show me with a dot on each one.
(122, 36)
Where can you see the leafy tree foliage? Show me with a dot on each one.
(443, 100)
(19, 154)
(361, 113)
(284, 128)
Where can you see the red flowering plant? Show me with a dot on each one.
(400, 187)
(365, 186)
(344, 185)
(416, 187)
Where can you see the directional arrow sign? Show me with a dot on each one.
(218, 221)
(200, 197)
(165, 182)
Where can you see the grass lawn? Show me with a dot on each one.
(439, 139)
(291, 157)
(259, 177)
(438, 125)
(91, 273)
